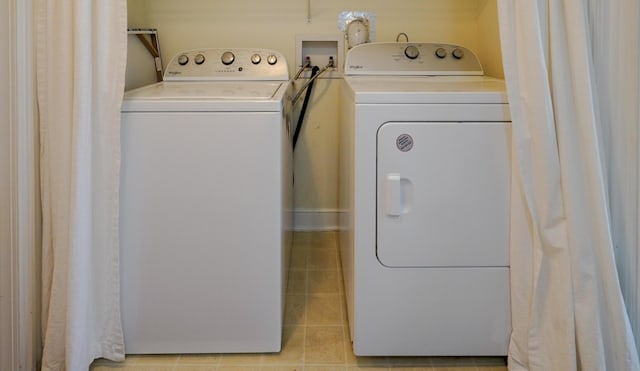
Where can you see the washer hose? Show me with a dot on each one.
(306, 65)
(303, 109)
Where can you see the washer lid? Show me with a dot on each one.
(427, 89)
(206, 96)
(221, 90)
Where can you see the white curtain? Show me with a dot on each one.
(615, 27)
(81, 57)
(568, 312)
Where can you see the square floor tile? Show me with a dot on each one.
(292, 348)
(294, 309)
(253, 359)
(320, 258)
(200, 359)
(324, 310)
(323, 282)
(297, 282)
(324, 345)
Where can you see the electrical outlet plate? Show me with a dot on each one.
(319, 48)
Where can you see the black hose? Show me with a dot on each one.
(303, 109)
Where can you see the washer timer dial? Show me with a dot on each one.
(457, 53)
(227, 58)
(183, 59)
(411, 52)
(441, 53)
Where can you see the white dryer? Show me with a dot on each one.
(424, 194)
(205, 205)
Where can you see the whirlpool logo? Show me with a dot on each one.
(356, 67)
(174, 73)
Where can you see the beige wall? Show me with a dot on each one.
(489, 39)
(274, 24)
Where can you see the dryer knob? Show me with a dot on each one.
(272, 59)
(227, 58)
(199, 59)
(457, 53)
(441, 53)
(255, 59)
(183, 59)
(411, 52)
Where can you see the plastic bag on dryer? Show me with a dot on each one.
(358, 26)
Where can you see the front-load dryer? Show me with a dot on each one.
(424, 198)
(205, 206)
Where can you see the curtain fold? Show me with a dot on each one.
(615, 29)
(568, 312)
(80, 62)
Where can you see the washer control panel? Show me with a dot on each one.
(411, 59)
(227, 64)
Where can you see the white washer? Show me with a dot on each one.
(205, 205)
(424, 194)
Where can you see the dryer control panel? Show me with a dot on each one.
(227, 64)
(411, 59)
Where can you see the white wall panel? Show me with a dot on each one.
(5, 193)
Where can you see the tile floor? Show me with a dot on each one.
(316, 333)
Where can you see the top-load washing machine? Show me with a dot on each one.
(205, 204)
(424, 194)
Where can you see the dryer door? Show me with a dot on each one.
(443, 194)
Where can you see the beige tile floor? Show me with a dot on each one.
(316, 334)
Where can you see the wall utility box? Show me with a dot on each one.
(319, 48)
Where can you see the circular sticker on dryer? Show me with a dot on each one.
(404, 142)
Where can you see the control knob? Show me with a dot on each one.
(183, 59)
(199, 59)
(457, 53)
(255, 59)
(272, 59)
(411, 52)
(441, 53)
(227, 58)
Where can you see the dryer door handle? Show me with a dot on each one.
(393, 201)
(398, 195)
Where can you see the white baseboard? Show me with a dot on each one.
(315, 219)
